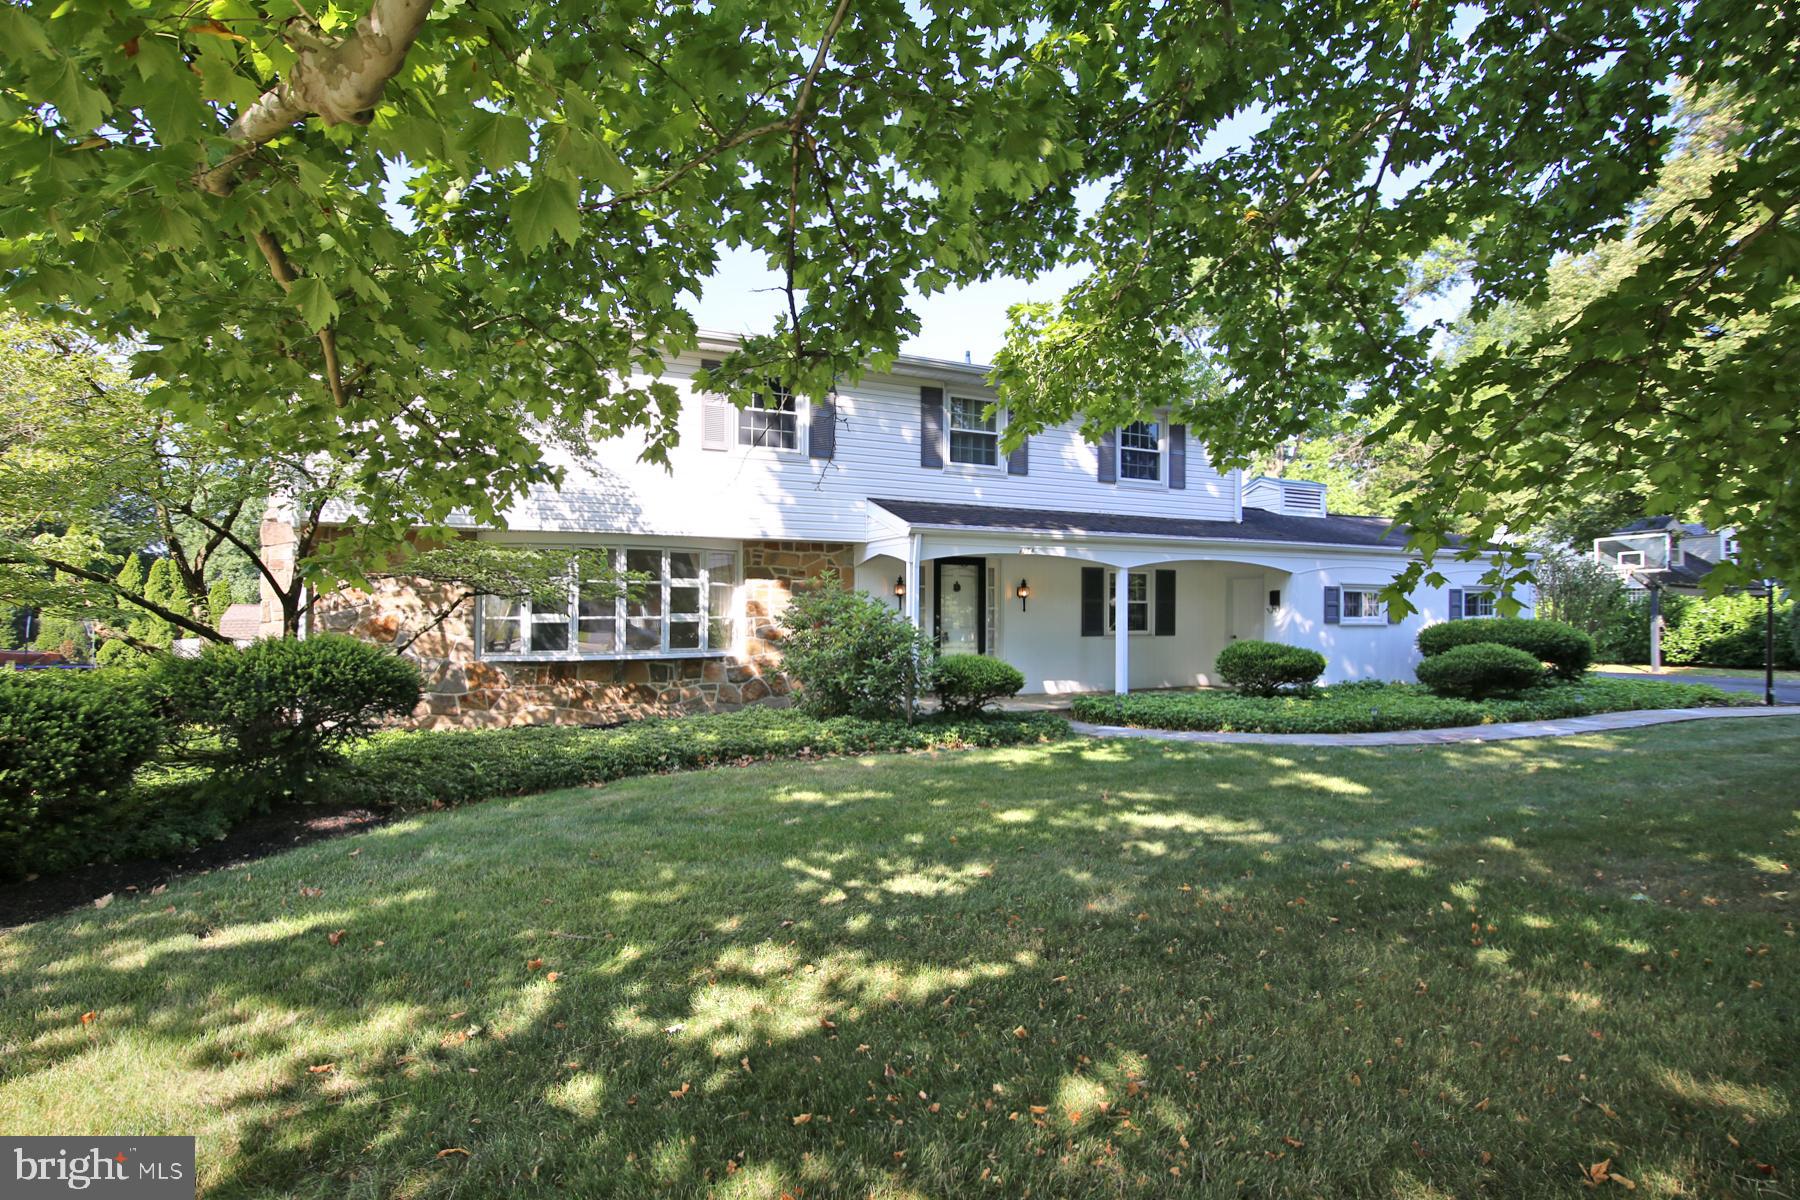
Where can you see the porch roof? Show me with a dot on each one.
(1258, 525)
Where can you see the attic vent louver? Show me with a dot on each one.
(1303, 501)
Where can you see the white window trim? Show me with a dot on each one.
(1344, 617)
(800, 429)
(1478, 591)
(574, 654)
(1112, 611)
(1162, 457)
(998, 466)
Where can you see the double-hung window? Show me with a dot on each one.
(1137, 602)
(1478, 604)
(769, 419)
(669, 602)
(1140, 451)
(1363, 606)
(974, 433)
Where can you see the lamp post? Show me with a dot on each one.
(1767, 591)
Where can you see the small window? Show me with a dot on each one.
(974, 433)
(1363, 606)
(1478, 604)
(1140, 451)
(768, 420)
(1631, 558)
(1137, 603)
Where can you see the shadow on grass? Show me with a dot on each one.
(1088, 968)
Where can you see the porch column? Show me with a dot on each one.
(915, 547)
(1122, 632)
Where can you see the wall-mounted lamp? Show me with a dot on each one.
(899, 590)
(1023, 592)
(1274, 599)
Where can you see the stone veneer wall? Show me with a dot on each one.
(462, 692)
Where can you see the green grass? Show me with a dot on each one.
(1070, 969)
(1379, 707)
(1722, 672)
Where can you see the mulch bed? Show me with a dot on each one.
(258, 837)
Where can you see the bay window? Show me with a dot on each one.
(668, 602)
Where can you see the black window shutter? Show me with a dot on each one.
(1334, 606)
(1019, 461)
(1456, 604)
(821, 429)
(931, 427)
(1109, 456)
(1178, 456)
(1165, 603)
(1093, 602)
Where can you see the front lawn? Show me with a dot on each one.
(1074, 969)
(1721, 672)
(1379, 707)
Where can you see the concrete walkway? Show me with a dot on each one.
(1508, 731)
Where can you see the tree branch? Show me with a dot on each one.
(337, 80)
(284, 273)
(180, 620)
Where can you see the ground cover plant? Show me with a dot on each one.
(1379, 707)
(1082, 969)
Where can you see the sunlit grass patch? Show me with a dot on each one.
(1078, 969)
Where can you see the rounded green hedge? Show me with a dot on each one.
(282, 707)
(1568, 650)
(966, 683)
(1481, 669)
(69, 744)
(1268, 668)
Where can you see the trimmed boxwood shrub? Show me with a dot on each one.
(282, 708)
(851, 654)
(1480, 669)
(69, 744)
(451, 767)
(966, 683)
(1269, 668)
(1568, 650)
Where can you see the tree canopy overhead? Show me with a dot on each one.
(428, 238)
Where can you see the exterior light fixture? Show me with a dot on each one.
(1023, 592)
(899, 590)
(1274, 599)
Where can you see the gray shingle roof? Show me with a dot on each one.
(1258, 525)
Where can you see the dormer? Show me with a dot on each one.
(1290, 497)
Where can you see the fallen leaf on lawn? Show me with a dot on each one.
(534, 964)
(336, 936)
(88, 1018)
(827, 1023)
(862, 1047)
(1021, 1032)
(553, 976)
(1486, 1158)
(322, 1069)
(681, 1091)
(1296, 1143)
(744, 1062)
(103, 901)
(803, 1119)
(312, 893)
(159, 889)
(353, 854)
(1038, 1110)
(447, 1152)
(1481, 1105)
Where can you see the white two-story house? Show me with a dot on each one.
(1110, 566)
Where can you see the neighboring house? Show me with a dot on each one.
(1665, 553)
(242, 623)
(1091, 567)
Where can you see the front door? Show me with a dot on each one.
(1246, 609)
(958, 587)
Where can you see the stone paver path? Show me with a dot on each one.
(1506, 731)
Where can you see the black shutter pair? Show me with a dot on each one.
(1093, 602)
(1108, 450)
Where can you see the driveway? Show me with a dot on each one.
(1785, 693)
